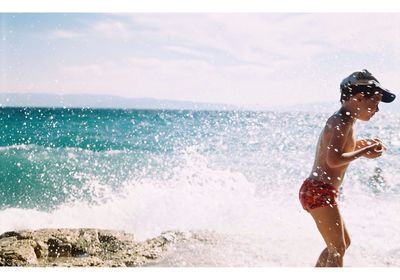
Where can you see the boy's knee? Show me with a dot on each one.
(338, 250)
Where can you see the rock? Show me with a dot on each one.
(81, 247)
(15, 252)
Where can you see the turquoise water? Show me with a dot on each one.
(48, 155)
(147, 171)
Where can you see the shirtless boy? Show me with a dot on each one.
(336, 148)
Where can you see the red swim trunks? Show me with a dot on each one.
(314, 194)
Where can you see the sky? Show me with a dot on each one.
(260, 59)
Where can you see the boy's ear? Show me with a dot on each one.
(358, 96)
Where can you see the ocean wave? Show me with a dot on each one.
(243, 229)
(248, 227)
(190, 198)
(26, 147)
(19, 147)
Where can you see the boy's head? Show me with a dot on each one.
(363, 82)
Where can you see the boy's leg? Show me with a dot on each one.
(321, 262)
(331, 227)
(324, 254)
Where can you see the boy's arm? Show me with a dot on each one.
(366, 142)
(362, 143)
(339, 135)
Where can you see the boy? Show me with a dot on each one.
(336, 148)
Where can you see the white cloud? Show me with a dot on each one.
(188, 79)
(261, 37)
(249, 37)
(309, 48)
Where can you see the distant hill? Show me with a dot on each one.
(102, 101)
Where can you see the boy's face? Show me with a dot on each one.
(367, 106)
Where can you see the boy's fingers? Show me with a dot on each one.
(372, 141)
(380, 142)
(378, 149)
(377, 140)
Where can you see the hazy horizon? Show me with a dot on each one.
(114, 102)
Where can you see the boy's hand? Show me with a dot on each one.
(375, 150)
(368, 142)
(382, 146)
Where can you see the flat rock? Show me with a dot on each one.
(81, 247)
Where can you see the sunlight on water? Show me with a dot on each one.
(235, 174)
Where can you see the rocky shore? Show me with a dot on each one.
(82, 247)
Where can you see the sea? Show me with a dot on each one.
(232, 176)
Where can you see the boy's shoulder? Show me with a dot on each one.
(338, 122)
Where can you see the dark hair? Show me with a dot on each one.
(347, 92)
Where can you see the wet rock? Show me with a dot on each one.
(81, 247)
(14, 252)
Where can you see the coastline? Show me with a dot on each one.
(82, 247)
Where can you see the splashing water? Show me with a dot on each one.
(234, 175)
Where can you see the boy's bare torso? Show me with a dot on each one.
(334, 127)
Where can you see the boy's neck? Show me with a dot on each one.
(347, 113)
